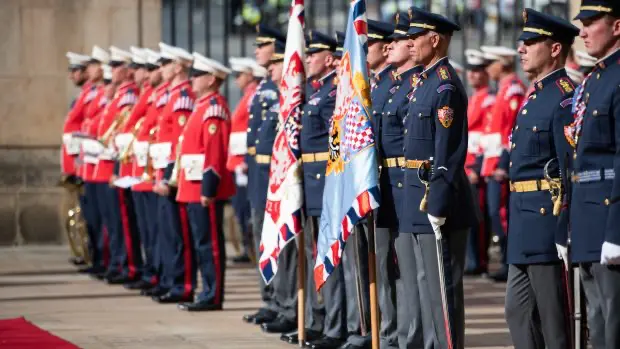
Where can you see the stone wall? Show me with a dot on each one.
(35, 94)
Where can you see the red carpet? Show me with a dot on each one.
(21, 334)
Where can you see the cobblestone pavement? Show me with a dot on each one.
(39, 284)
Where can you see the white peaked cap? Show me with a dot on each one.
(152, 57)
(474, 57)
(107, 72)
(241, 65)
(77, 59)
(100, 55)
(166, 51)
(584, 59)
(118, 55)
(182, 54)
(499, 53)
(138, 55)
(209, 65)
(457, 66)
(574, 75)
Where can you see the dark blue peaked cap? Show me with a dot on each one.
(541, 25)
(318, 42)
(268, 35)
(379, 30)
(421, 20)
(401, 25)
(340, 36)
(593, 8)
(278, 54)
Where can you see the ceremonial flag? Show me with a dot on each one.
(351, 182)
(285, 192)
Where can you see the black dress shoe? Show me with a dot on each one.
(244, 258)
(199, 306)
(262, 312)
(98, 276)
(293, 337)
(77, 261)
(155, 291)
(88, 270)
(108, 275)
(121, 279)
(172, 298)
(279, 325)
(139, 285)
(264, 318)
(325, 343)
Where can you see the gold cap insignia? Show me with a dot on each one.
(182, 120)
(524, 16)
(410, 12)
(212, 128)
(396, 17)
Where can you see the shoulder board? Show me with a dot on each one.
(566, 102)
(565, 85)
(488, 100)
(163, 100)
(332, 93)
(103, 101)
(445, 87)
(215, 111)
(128, 98)
(184, 92)
(443, 73)
(183, 103)
(514, 90)
(151, 99)
(90, 95)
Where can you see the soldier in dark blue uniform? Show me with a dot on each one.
(595, 204)
(266, 96)
(535, 273)
(435, 145)
(285, 282)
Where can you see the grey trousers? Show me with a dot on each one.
(353, 277)
(602, 286)
(328, 317)
(409, 327)
(387, 279)
(427, 271)
(285, 283)
(537, 306)
(266, 291)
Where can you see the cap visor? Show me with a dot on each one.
(196, 72)
(115, 64)
(587, 14)
(528, 36)
(415, 31)
(475, 66)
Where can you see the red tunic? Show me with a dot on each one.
(124, 99)
(170, 124)
(89, 127)
(237, 147)
(480, 104)
(498, 128)
(138, 112)
(159, 98)
(204, 152)
(73, 123)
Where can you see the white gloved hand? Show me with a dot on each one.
(241, 178)
(610, 254)
(563, 254)
(436, 223)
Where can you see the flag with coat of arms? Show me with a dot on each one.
(285, 191)
(351, 182)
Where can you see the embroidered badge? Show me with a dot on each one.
(446, 116)
(565, 85)
(212, 129)
(569, 132)
(182, 120)
(333, 93)
(442, 88)
(393, 89)
(414, 79)
(443, 73)
(269, 94)
(566, 102)
(514, 104)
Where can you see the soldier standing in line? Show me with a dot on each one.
(510, 96)
(536, 276)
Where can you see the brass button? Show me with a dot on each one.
(249, 129)
(543, 211)
(309, 112)
(414, 99)
(419, 114)
(251, 116)
(257, 141)
(575, 156)
(390, 100)
(383, 113)
(303, 112)
(533, 97)
(318, 176)
(595, 113)
(513, 145)
(375, 112)
(524, 111)
(510, 164)
(405, 131)
(606, 202)
(598, 76)
(400, 185)
(535, 129)
(264, 118)
(516, 127)
(264, 104)
(258, 129)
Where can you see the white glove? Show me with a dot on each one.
(563, 254)
(610, 254)
(241, 178)
(436, 223)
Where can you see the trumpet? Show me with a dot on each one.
(105, 138)
(147, 176)
(127, 153)
(174, 176)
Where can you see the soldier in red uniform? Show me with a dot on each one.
(94, 102)
(510, 95)
(247, 73)
(175, 247)
(125, 256)
(205, 183)
(479, 106)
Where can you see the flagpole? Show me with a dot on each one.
(372, 271)
(301, 294)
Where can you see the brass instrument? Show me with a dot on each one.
(174, 176)
(75, 226)
(147, 176)
(120, 118)
(127, 153)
